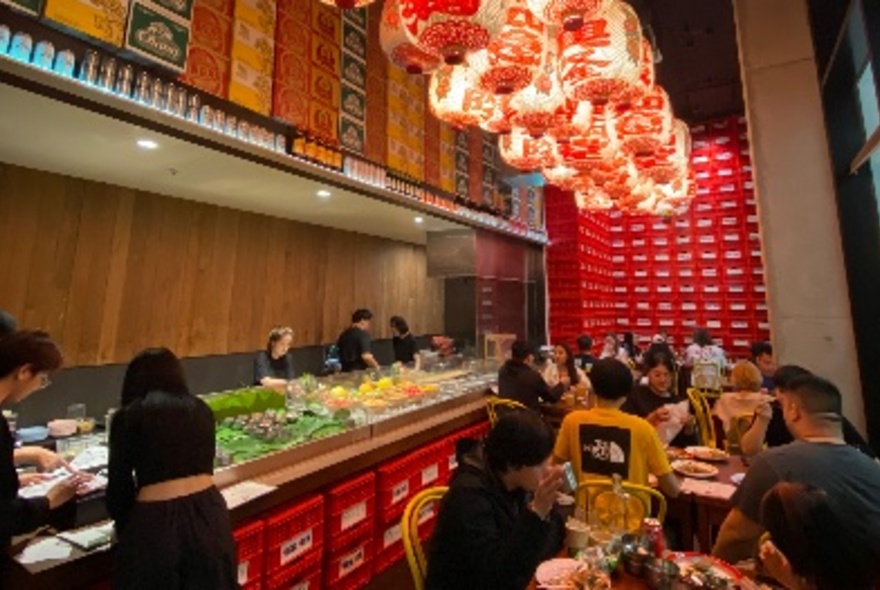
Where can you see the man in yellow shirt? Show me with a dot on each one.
(604, 441)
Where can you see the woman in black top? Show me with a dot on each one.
(26, 360)
(171, 521)
(649, 401)
(273, 367)
(404, 343)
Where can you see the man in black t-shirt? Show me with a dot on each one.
(819, 457)
(354, 344)
(584, 359)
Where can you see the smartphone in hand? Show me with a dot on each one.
(571, 482)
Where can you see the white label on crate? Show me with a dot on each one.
(640, 258)
(619, 274)
(688, 306)
(452, 462)
(685, 272)
(392, 536)
(758, 271)
(702, 191)
(711, 289)
(351, 562)
(752, 219)
(737, 307)
(761, 307)
(740, 342)
(760, 289)
(302, 586)
(426, 513)
(754, 236)
(689, 323)
(728, 204)
(756, 253)
(663, 274)
(701, 160)
(644, 322)
(637, 227)
(243, 572)
(734, 272)
(623, 322)
(686, 288)
(722, 140)
(731, 237)
(659, 226)
(354, 515)
(661, 241)
(641, 274)
(297, 546)
(725, 172)
(703, 207)
(616, 229)
(736, 289)
(618, 244)
(733, 255)
(638, 243)
(713, 324)
(728, 221)
(430, 474)
(620, 305)
(643, 306)
(709, 272)
(728, 188)
(682, 223)
(664, 306)
(684, 256)
(702, 175)
(642, 290)
(618, 259)
(664, 289)
(700, 144)
(739, 325)
(683, 240)
(662, 257)
(713, 307)
(708, 255)
(750, 185)
(763, 326)
(620, 289)
(400, 492)
(666, 323)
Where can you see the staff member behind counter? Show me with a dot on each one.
(406, 349)
(273, 367)
(354, 344)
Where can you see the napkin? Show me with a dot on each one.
(45, 550)
(709, 489)
(669, 430)
(244, 492)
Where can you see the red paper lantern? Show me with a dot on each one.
(567, 178)
(595, 149)
(593, 199)
(602, 60)
(522, 151)
(451, 28)
(496, 117)
(397, 46)
(647, 124)
(570, 14)
(454, 97)
(669, 161)
(647, 73)
(537, 105)
(513, 57)
(575, 119)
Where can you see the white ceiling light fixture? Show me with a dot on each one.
(324, 194)
(419, 220)
(147, 144)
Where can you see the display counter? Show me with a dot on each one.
(368, 439)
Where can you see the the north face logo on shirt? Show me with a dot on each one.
(605, 450)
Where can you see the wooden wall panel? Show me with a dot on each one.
(109, 271)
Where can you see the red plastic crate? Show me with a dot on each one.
(293, 532)
(350, 568)
(394, 482)
(304, 575)
(388, 546)
(351, 509)
(249, 548)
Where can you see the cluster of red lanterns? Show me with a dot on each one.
(567, 84)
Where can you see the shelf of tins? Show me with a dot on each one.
(109, 85)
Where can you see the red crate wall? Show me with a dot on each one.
(704, 268)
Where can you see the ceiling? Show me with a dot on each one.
(700, 66)
(46, 134)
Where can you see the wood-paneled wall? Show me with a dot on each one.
(109, 271)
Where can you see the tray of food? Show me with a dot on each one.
(695, 469)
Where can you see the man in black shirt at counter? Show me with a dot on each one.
(354, 344)
(519, 381)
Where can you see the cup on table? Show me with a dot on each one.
(76, 411)
(577, 535)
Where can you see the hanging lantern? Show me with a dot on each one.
(537, 105)
(566, 178)
(647, 74)
(397, 46)
(451, 28)
(671, 199)
(575, 119)
(454, 97)
(594, 149)
(496, 116)
(569, 14)
(520, 150)
(593, 200)
(513, 57)
(646, 125)
(669, 161)
(602, 60)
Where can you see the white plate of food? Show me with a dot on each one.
(705, 571)
(556, 573)
(695, 469)
(708, 454)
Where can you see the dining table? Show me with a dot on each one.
(621, 580)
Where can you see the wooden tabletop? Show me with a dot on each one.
(620, 581)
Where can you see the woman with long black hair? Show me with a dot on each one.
(172, 523)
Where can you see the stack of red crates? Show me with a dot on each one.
(294, 544)
(250, 553)
(350, 517)
(701, 269)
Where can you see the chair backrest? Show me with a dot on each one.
(494, 402)
(703, 413)
(596, 495)
(415, 555)
(706, 378)
(738, 427)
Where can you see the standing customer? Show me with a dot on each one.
(704, 351)
(26, 360)
(406, 350)
(273, 367)
(354, 344)
(584, 359)
(496, 522)
(172, 523)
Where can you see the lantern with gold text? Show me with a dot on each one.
(569, 14)
(454, 97)
(397, 46)
(601, 61)
(451, 28)
(520, 150)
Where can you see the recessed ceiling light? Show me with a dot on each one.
(323, 194)
(419, 220)
(147, 144)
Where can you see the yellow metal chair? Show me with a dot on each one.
(703, 413)
(494, 402)
(706, 378)
(596, 496)
(738, 427)
(415, 555)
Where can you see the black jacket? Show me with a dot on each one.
(520, 382)
(486, 537)
(17, 515)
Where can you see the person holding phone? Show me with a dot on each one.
(27, 358)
